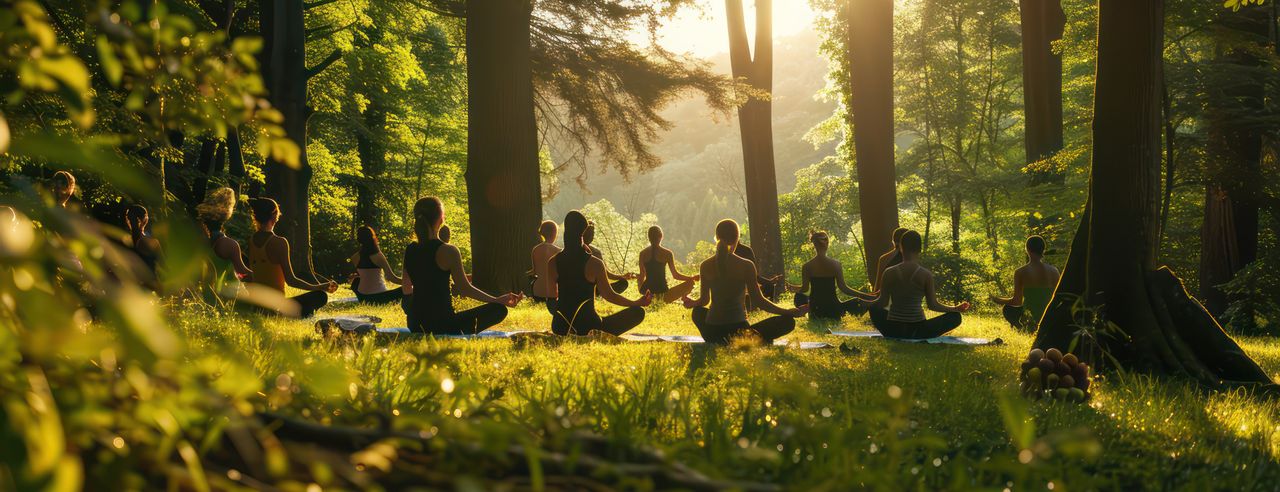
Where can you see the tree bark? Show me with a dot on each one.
(372, 148)
(504, 190)
(1111, 268)
(1229, 236)
(755, 123)
(285, 75)
(1042, 23)
(869, 46)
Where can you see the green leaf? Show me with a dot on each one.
(110, 63)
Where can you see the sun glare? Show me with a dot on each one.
(703, 32)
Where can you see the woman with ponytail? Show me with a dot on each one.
(575, 277)
(655, 261)
(269, 258)
(429, 265)
(824, 274)
(146, 247)
(727, 280)
(889, 258)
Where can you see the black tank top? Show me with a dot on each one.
(577, 296)
(431, 292)
(366, 261)
(822, 296)
(655, 278)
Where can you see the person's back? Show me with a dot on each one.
(655, 260)
(265, 271)
(432, 296)
(906, 291)
(728, 287)
(907, 287)
(575, 295)
(541, 254)
(1033, 285)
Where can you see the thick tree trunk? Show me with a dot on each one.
(504, 190)
(755, 123)
(1111, 268)
(1229, 236)
(372, 148)
(869, 46)
(285, 75)
(1042, 24)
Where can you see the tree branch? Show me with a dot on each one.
(333, 57)
(316, 4)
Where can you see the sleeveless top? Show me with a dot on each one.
(655, 278)
(148, 258)
(224, 271)
(1035, 300)
(372, 279)
(728, 301)
(822, 296)
(265, 272)
(432, 297)
(906, 305)
(577, 296)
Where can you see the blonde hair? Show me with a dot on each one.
(217, 207)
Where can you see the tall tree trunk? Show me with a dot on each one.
(285, 75)
(755, 123)
(504, 190)
(1111, 266)
(956, 205)
(1042, 24)
(869, 46)
(372, 148)
(1229, 236)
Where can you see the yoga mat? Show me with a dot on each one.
(948, 340)
(776, 343)
(400, 330)
(344, 300)
(357, 323)
(641, 337)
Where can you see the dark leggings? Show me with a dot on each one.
(851, 307)
(769, 329)
(469, 322)
(915, 330)
(310, 302)
(1013, 314)
(619, 286)
(613, 324)
(388, 297)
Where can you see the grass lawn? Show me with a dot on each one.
(895, 416)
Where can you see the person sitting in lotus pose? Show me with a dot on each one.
(269, 260)
(824, 274)
(906, 286)
(429, 265)
(576, 277)
(727, 281)
(373, 271)
(1033, 285)
(655, 261)
(227, 262)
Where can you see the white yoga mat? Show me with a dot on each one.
(401, 330)
(948, 340)
(776, 343)
(344, 300)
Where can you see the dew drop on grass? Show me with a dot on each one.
(937, 462)
(118, 442)
(895, 392)
(446, 385)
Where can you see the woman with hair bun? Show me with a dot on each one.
(727, 280)
(429, 266)
(907, 286)
(269, 258)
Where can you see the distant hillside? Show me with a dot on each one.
(688, 192)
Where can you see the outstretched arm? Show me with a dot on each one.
(381, 260)
(849, 290)
(753, 289)
(881, 266)
(932, 299)
(596, 269)
(804, 281)
(463, 285)
(671, 264)
(278, 252)
(232, 248)
(1016, 298)
(704, 293)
